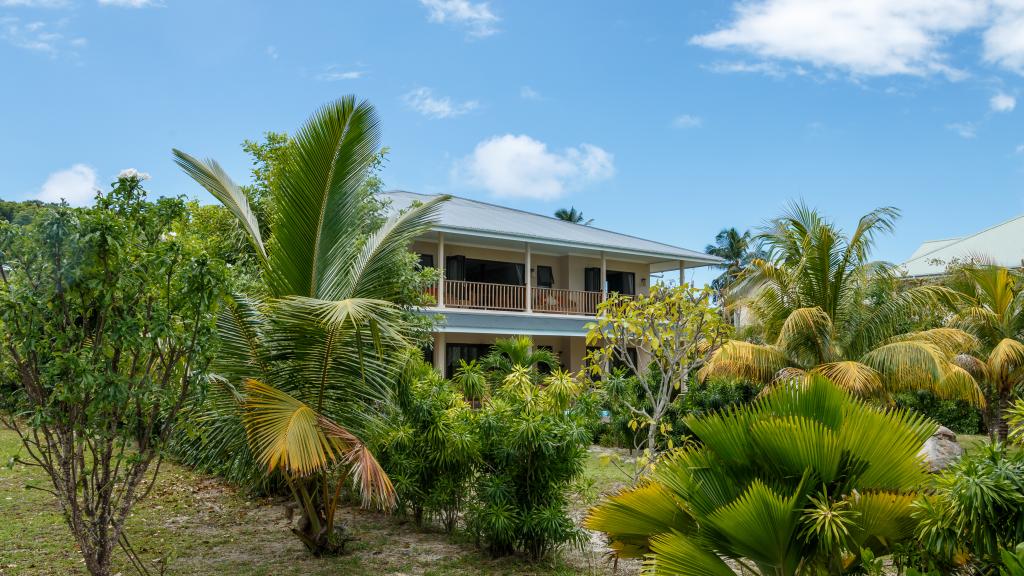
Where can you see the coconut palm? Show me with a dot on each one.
(298, 369)
(573, 215)
(992, 309)
(737, 251)
(799, 482)
(824, 307)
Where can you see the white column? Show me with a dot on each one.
(529, 281)
(604, 277)
(682, 272)
(439, 352)
(440, 268)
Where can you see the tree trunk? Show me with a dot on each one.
(1000, 419)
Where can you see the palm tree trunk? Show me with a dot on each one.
(1000, 419)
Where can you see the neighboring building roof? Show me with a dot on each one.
(1002, 244)
(472, 217)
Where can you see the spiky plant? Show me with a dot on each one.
(991, 308)
(824, 307)
(799, 482)
(300, 370)
(518, 351)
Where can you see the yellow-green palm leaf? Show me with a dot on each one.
(285, 433)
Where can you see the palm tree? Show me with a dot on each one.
(802, 481)
(992, 309)
(825, 308)
(508, 354)
(572, 215)
(297, 370)
(737, 250)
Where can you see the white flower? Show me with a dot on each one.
(132, 173)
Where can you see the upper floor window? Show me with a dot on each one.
(545, 277)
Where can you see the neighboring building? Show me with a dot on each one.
(1002, 244)
(509, 272)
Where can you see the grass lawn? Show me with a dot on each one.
(198, 525)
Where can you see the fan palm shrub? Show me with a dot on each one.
(824, 307)
(798, 482)
(301, 369)
(991, 307)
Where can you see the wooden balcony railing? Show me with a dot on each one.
(463, 294)
(510, 297)
(561, 301)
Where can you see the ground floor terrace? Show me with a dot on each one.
(450, 348)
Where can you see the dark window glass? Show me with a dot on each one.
(468, 352)
(426, 260)
(622, 282)
(545, 277)
(592, 279)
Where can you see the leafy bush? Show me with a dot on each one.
(976, 510)
(533, 446)
(800, 481)
(429, 447)
(717, 394)
(959, 416)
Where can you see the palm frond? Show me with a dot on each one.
(758, 362)
(285, 433)
(215, 180)
(318, 200)
(852, 376)
(375, 488)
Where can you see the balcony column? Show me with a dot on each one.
(682, 272)
(440, 269)
(604, 277)
(529, 281)
(440, 350)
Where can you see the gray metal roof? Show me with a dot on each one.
(1002, 244)
(475, 218)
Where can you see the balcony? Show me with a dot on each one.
(512, 298)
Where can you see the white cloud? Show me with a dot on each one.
(766, 68)
(1002, 102)
(687, 121)
(527, 93)
(966, 130)
(333, 73)
(519, 166)
(129, 3)
(1004, 40)
(77, 185)
(36, 36)
(475, 16)
(423, 101)
(865, 37)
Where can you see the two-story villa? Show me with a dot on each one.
(509, 272)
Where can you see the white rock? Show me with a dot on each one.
(941, 450)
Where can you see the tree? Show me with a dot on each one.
(737, 250)
(108, 317)
(507, 354)
(802, 481)
(672, 332)
(991, 307)
(572, 215)
(825, 307)
(302, 369)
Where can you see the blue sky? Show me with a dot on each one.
(668, 120)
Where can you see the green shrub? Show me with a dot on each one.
(429, 447)
(957, 415)
(976, 510)
(533, 446)
(801, 481)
